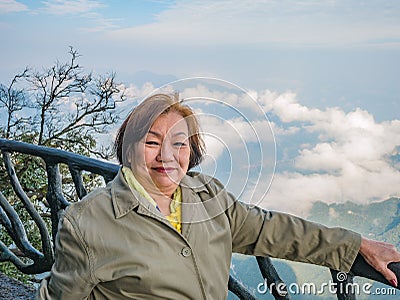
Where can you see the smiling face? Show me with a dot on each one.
(161, 158)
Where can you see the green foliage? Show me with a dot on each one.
(10, 270)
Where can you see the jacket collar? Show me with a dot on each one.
(124, 199)
(194, 181)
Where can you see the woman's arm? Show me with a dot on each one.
(267, 233)
(334, 245)
(71, 275)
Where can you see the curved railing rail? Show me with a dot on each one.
(41, 261)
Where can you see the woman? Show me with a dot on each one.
(160, 231)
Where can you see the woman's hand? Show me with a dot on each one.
(379, 255)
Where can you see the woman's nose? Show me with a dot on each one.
(166, 152)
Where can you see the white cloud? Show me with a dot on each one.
(348, 161)
(282, 22)
(133, 92)
(281, 131)
(286, 107)
(10, 6)
(99, 23)
(63, 7)
(85, 9)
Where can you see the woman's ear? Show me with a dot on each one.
(128, 155)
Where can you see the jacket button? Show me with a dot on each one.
(186, 252)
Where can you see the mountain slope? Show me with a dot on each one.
(380, 221)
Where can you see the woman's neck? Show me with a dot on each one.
(163, 202)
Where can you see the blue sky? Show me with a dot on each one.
(330, 52)
(315, 66)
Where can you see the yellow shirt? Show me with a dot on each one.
(175, 218)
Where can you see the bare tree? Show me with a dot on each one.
(72, 105)
(61, 106)
(13, 100)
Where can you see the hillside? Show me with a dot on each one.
(379, 221)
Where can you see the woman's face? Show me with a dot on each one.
(161, 158)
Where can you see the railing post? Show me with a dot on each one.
(236, 287)
(272, 279)
(19, 191)
(78, 181)
(54, 195)
(345, 290)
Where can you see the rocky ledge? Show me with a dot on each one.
(13, 289)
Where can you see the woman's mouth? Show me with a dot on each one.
(163, 170)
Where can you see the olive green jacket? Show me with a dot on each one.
(115, 245)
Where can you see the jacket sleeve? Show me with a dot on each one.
(71, 275)
(256, 231)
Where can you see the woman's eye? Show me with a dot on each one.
(152, 143)
(180, 144)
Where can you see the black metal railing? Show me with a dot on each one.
(30, 260)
